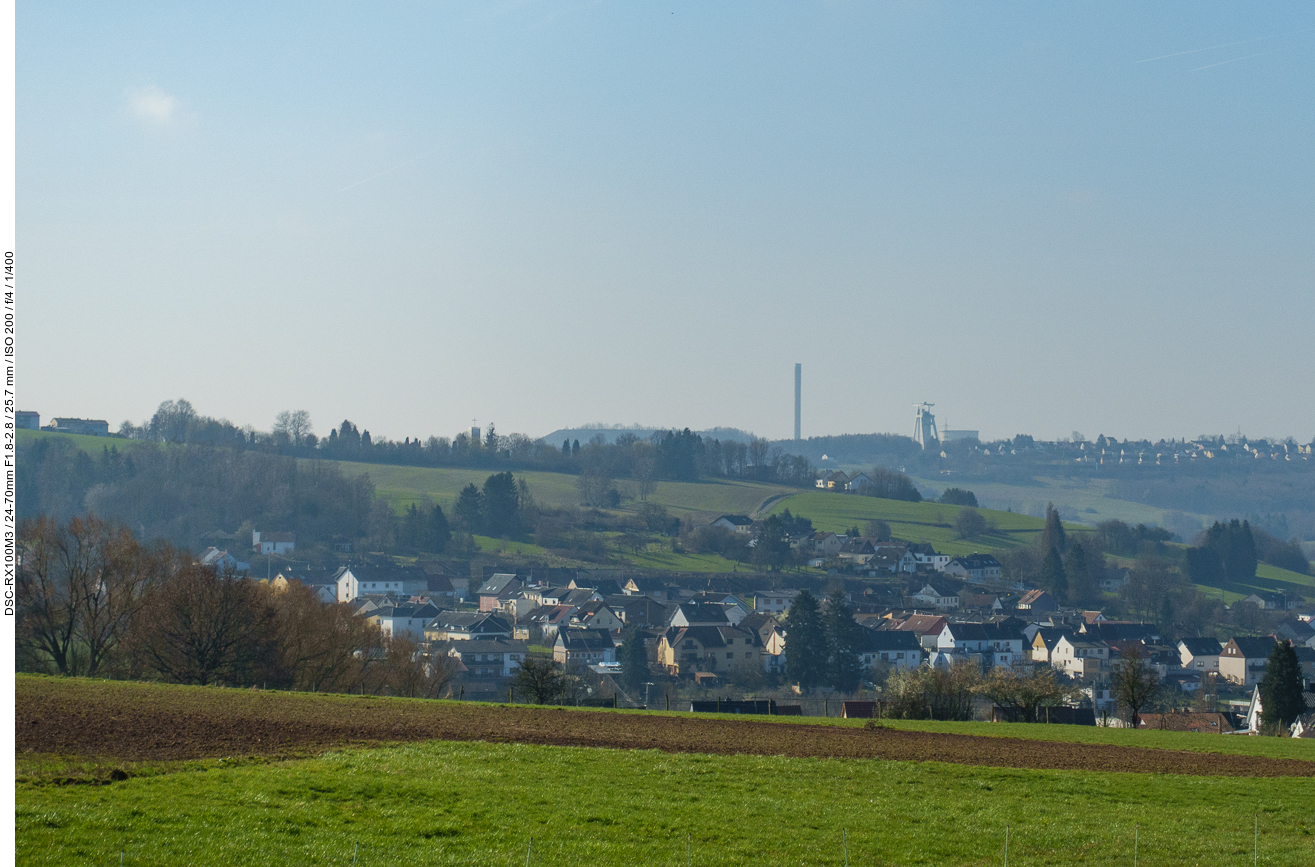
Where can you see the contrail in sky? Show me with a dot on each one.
(1234, 60)
(380, 175)
(1225, 45)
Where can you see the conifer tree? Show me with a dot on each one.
(1053, 577)
(1081, 587)
(634, 662)
(805, 642)
(1280, 688)
(1053, 535)
(841, 643)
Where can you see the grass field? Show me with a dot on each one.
(448, 803)
(89, 444)
(1088, 497)
(470, 803)
(911, 522)
(405, 485)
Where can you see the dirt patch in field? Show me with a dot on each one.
(143, 722)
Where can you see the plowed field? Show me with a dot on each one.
(142, 722)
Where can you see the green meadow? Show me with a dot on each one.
(911, 522)
(441, 803)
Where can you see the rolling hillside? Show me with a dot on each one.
(911, 522)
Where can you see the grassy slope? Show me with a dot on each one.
(446, 803)
(89, 444)
(1088, 497)
(912, 522)
(405, 485)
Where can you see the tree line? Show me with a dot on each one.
(92, 601)
(679, 455)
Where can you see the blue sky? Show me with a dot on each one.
(1041, 217)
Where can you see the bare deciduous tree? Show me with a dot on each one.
(202, 628)
(79, 587)
(1136, 683)
(295, 424)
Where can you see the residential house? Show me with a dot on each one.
(1251, 719)
(640, 611)
(741, 524)
(407, 619)
(1242, 661)
(1199, 654)
(223, 562)
(699, 614)
(1306, 662)
(439, 589)
(654, 588)
(1079, 657)
(604, 587)
(25, 419)
(487, 657)
(834, 481)
(96, 427)
(940, 597)
(596, 615)
(273, 543)
(499, 586)
(365, 580)
(466, 626)
(895, 558)
(1115, 579)
(548, 619)
(321, 585)
(1043, 644)
(827, 544)
(995, 644)
(927, 627)
(774, 601)
(857, 551)
(890, 648)
(857, 481)
(926, 559)
(976, 567)
(684, 650)
(771, 636)
(1037, 602)
(1269, 601)
(585, 646)
(1121, 631)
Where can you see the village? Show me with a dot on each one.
(721, 642)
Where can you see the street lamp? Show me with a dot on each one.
(646, 686)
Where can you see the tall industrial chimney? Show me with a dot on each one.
(798, 389)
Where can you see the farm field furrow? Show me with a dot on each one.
(150, 723)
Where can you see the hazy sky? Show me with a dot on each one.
(1042, 217)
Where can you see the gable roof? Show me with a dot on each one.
(1251, 647)
(582, 640)
(922, 624)
(1201, 646)
(497, 584)
(874, 641)
(737, 520)
(705, 613)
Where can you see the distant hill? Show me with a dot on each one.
(584, 434)
(855, 450)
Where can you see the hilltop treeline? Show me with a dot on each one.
(670, 455)
(182, 493)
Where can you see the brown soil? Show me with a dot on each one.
(143, 722)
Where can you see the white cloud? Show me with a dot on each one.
(152, 105)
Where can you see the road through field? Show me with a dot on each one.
(142, 723)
